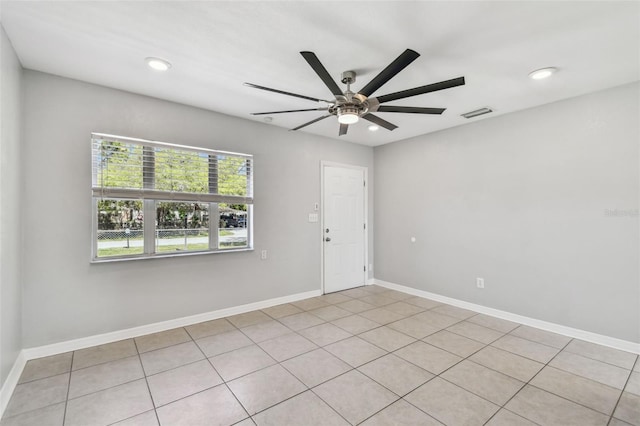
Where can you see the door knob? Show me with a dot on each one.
(327, 239)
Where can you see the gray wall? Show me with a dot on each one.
(66, 297)
(10, 208)
(521, 200)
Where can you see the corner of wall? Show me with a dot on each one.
(10, 223)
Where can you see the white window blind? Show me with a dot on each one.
(135, 168)
(153, 199)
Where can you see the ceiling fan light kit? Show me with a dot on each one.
(349, 107)
(348, 115)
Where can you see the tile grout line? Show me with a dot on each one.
(5, 417)
(586, 378)
(503, 350)
(132, 380)
(454, 384)
(78, 397)
(462, 359)
(582, 377)
(380, 410)
(82, 368)
(315, 386)
(351, 367)
(510, 333)
(106, 362)
(599, 360)
(261, 369)
(420, 409)
(637, 361)
(66, 401)
(108, 388)
(400, 397)
(574, 402)
(44, 377)
(129, 418)
(277, 403)
(528, 382)
(144, 373)
(434, 375)
(224, 382)
(321, 399)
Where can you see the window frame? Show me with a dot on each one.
(150, 196)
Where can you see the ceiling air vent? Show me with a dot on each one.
(477, 112)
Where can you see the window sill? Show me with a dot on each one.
(166, 255)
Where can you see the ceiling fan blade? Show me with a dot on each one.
(379, 121)
(390, 71)
(311, 122)
(413, 110)
(293, 110)
(282, 92)
(421, 90)
(343, 129)
(322, 72)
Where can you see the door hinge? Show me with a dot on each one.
(364, 183)
(365, 268)
(365, 225)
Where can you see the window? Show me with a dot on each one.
(153, 199)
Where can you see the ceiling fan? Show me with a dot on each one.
(349, 107)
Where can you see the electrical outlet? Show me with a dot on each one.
(263, 255)
(480, 282)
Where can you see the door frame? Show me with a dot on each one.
(365, 189)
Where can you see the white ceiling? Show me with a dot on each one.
(216, 46)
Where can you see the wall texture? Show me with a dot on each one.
(542, 204)
(66, 297)
(10, 209)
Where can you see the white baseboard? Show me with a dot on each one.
(588, 336)
(101, 339)
(12, 380)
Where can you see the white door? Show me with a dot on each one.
(344, 227)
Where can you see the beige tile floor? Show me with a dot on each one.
(367, 356)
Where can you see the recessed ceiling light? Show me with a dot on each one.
(158, 64)
(268, 119)
(373, 128)
(542, 73)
